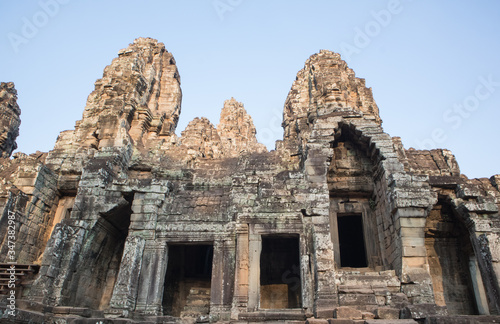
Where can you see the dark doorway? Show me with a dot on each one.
(280, 285)
(449, 253)
(351, 241)
(101, 258)
(187, 281)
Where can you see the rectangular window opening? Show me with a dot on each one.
(188, 280)
(280, 285)
(63, 211)
(351, 241)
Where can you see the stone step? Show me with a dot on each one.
(464, 319)
(391, 321)
(361, 301)
(19, 267)
(197, 302)
(20, 271)
(66, 310)
(162, 319)
(30, 305)
(350, 289)
(268, 316)
(204, 296)
(383, 273)
(202, 309)
(199, 291)
(101, 320)
(193, 297)
(370, 280)
(359, 311)
(345, 321)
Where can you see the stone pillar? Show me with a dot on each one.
(325, 295)
(221, 294)
(306, 277)
(126, 286)
(483, 246)
(152, 278)
(315, 169)
(478, 286)
(240, 300)
(415, 273)
(255, 248)
(410, 199)
(229, 261)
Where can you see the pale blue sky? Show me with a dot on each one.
(433, 65)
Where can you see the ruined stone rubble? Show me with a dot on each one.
(126, 220)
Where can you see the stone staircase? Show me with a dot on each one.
(197, 304)
(369, 295)
(23, 273)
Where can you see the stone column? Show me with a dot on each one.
(410, 198)
(478, 286)
(229, 272)
(326, 292)
(315, 169)
(485, 241)
(410, 225)
(307, 280)
(222, 279)
(126, 286)
(152, 277)
(254, 247)
(483, 246)
(240, 300)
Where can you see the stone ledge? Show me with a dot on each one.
(269, 315)
(462, 319)
(422, 311)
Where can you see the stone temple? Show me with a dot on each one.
(126, 222)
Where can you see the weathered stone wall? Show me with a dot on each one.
(28, 188)
(473, 207)
(121, 195)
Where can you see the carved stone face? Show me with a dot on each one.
(9, 119)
